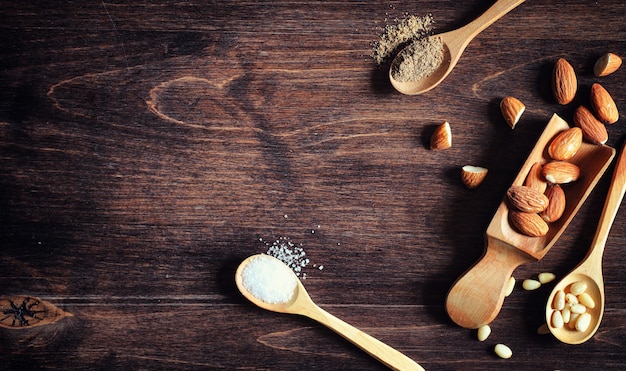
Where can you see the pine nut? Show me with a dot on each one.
(503, 351)
(578, 308)
(583, 322)
(546, 277)
(530, 285)
(586, 300)
(557, 319)
(559, 300)
(483, 332)
(567, 315)
(510, 286)
(571, 299)
(572, 321)
(578, 287)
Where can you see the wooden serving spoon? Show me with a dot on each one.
(454, 43)
(590, 269)
(301, 303)
(476, 297)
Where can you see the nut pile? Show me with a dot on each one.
(570, 307)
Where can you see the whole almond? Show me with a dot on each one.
(441, 137)
(529, 224)
(512, 109)
(535, 179)
(560, 172)
(603, 104)
(526, 199)
(564, 82)
(607, 64)
(556, 205)
(472, 176)
(565, 145)
(593, 130)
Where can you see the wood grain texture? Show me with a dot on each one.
(147, 147)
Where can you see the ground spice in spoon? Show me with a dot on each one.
(423, 54)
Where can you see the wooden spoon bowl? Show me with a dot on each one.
(476, 297)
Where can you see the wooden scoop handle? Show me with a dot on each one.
(476, 297)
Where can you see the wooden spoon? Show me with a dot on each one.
(590, 269)
(302, 304)
(476, 297)
(454, 43)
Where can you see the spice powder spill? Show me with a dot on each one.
(398, 35)
(269, 280)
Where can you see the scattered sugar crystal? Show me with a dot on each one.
(269, 280)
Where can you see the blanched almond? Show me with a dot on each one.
(472, 176)
(556, 204)
(593, 130)
(441, 137)
(527, 199)
(603, 104)
(560, 172)
(565, 145)
(564, 82)
(529, 224)
(607, 64)
(512, 109)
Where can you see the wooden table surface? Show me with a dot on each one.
(148, 147)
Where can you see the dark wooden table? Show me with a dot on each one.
(147, 148)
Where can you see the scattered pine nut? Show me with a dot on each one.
(546, 277)
(510, 286)
(483, 332)
(530, 285)
(503, 351)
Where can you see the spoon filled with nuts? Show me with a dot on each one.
(575, 307)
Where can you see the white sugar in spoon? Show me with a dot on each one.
(454, 43)
(300, 303)
(589, 270)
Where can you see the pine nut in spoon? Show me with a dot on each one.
(454, 43)
(588, 274)
(270, 284)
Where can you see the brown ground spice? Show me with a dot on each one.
(419, 60)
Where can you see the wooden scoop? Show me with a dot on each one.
(476, 297)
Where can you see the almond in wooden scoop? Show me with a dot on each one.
(565, 145)
(556, 204)
(529, 224)
(560, 172)
(527, 199)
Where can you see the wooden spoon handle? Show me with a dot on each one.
(611, 205)
(376, 348)
(495, 12)
(476, 297)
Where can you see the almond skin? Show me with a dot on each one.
(535, 179)
(564, 82)
(526, 199)
(512, 109)
(473, 176)
(593, 130)
(565, 145)
(441, 137)
(560, 172)
(556, 204)
(529, 224)
(607, 64)
(603, 104)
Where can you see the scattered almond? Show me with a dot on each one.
(565, 145)
(512, 109)
(607, 64)
(473, 176)
(441, 137)
(564, 82)
(593, 130)
(603, 104)
(556, 204)
(529, 224)
(560, 172)
(527, 199)
(535, 179)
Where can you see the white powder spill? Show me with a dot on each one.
(269, 280)
(290, 253)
